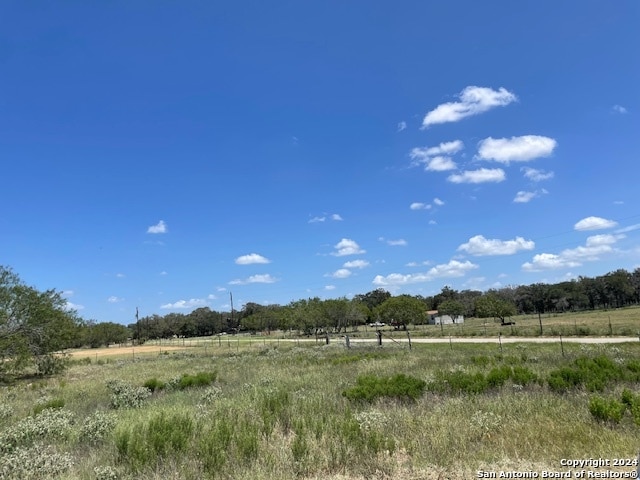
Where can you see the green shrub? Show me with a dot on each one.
(369, 388)
(456, 383)
(53, 403)
(595, 374)
(201, 379)
(523, 376)
(154, 384)
(606, 410)
(498, 376)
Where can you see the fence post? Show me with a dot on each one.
(347, 341)
(379, 333)
(409, 338)
(561, 346)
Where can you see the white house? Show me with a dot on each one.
(435, 319)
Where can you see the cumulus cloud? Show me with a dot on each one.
(185, 304)
(401, 126)
(114, 299)
(480, 246)
(346, 246)
(516, 149)
(437, 159)
(594, 223)
(536, 175)
(619, 109)
(263, 278)
(341, 273)
(595, 246)
(356, 264)
(452, 269)
(473, 101)
(438, 202)
(336, 217)
(482, 175)
(525, 197)
(251, 259)
(419, 206)
(160, 227)
(329, 287)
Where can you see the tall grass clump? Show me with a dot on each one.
(594, 374)
(370, 387)
(148, 442)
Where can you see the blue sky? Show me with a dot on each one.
(161, 155)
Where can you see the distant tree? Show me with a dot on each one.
(492, 306)
(401, 311)
(33, 326)
(452, 308)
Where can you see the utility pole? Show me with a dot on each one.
(137, 325)
(231, 298)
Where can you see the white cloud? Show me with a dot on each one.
(419, 206)
(437, 159)
(438, 202)
(329, 287)
(418, 264)
(263, 278)
(473, 101)
(356, 264)
(73, 306)
(454, 268)
(525, 197)
(347, 246)
(536, 175)
(440, 164)
(401, 126)
(334, 216)
(619, 109)
(516, 149)
(160, 227)
(594, 223)
(251, 259)
(595, 246)
(630, 228)
(163, 273)
(481, 246)
(394, 243)
(481, 175)
(120, 275)
(68, 293)
(185, 304)
(114, 299)
(341, 273)
(432, 222)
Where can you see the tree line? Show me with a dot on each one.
(34, 325)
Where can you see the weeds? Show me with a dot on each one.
(369, 388)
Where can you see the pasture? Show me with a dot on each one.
(252, 408)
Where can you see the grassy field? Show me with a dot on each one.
(252, 409)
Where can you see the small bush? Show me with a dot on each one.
(154, 384)
(96, 427)
(456, 383)
(606, 410)
(369, 388)
(202, 379)
(124, 395)
(498, 376)
(53, 403)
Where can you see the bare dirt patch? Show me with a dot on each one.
(114, 351)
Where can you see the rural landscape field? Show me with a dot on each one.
(263, 407)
